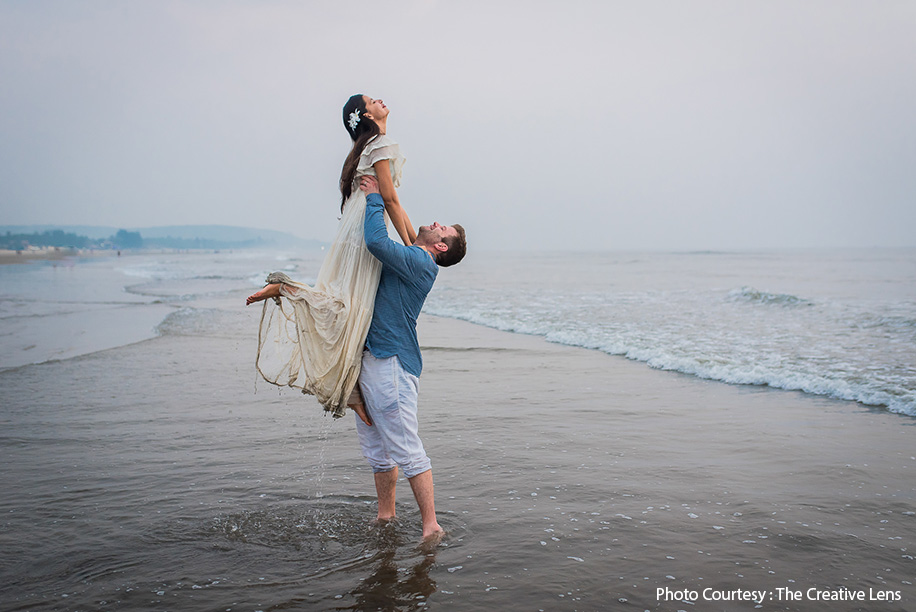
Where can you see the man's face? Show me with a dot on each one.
(434, 233)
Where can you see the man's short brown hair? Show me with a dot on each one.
(457, 247)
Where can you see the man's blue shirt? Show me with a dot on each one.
(408, 274)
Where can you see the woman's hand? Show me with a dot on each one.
(369, 184)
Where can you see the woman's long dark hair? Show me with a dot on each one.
(365, 130)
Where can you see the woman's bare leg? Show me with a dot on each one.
(268, 291)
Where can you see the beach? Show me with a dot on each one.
(145, 466)
(673, 370)
(163, 475)
(8, 256)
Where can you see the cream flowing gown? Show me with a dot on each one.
(313, 339)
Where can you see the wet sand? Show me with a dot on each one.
(161, 475)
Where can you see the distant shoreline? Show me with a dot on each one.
(11, 257)
(8, 256)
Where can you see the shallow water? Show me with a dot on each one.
(129, 485)
(161, 475)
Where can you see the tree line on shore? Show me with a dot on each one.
(122, 239)
(67, 240)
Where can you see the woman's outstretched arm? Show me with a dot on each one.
(396, 212)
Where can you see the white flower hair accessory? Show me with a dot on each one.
(354, 120)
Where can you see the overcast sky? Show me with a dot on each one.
(575, 124)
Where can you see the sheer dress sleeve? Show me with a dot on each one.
(379, 148)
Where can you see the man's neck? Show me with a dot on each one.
(428, 250)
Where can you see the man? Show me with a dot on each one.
(387, 425)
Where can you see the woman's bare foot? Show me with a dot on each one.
(268, 291)
(355, 402)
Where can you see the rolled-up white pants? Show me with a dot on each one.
(393, 440)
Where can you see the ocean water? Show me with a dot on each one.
(841, 324)
(146, 468)
(836, 323)
(52, 310)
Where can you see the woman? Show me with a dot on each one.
(314, 340)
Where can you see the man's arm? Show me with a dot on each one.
(374, 230)
(398, 257)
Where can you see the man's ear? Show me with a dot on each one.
(441, 247)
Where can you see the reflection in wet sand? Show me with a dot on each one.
(395, 584)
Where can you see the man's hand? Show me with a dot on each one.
(369, 184)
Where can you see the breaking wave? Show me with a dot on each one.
(792, 343)
(753, 296)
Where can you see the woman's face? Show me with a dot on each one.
(375, 108)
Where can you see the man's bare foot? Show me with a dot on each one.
(432, 540)
(268, 291)
(386, 532)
